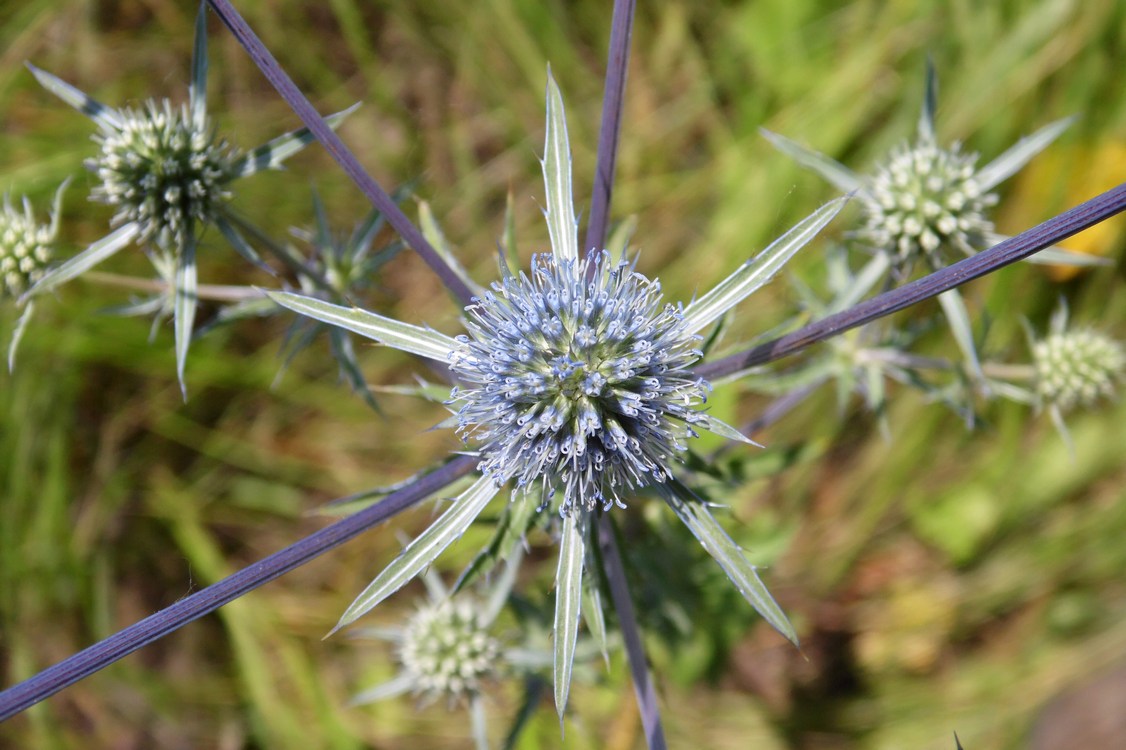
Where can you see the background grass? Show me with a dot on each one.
(942, 580)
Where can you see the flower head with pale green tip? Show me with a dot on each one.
(1077, 368)
(447, 650)
(574, 379)
(164, 171)
(26, 246)
(926, 198)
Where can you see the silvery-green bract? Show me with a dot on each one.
(576, 378)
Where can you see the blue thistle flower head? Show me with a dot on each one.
(577, 376)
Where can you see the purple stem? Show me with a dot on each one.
(631, 634)
(1011, 250)
(154, 627)
(621, 30)
(617, 64)
(332, 143)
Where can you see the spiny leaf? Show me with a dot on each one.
(424, 549)
(562, 226)
(727, 553)
(568, 603)
(760, 269)
(404, 336)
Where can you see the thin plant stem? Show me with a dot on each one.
(154, 627)
(621, 31)
(617, 65)
(1016, 248)
(336, 148)
(212, 292)
(631, 634)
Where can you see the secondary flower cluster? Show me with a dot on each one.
(447, 650)
(163, 169)
(925, 198)
(26, 247)
(1076, 368)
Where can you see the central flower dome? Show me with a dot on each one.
(577, 375)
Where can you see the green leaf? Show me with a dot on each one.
(717, 426)
(345, 355)
(1010, 162)
(594, 615)
(958, 318)
(515, 521)
(99, 251)
(930, 104)
(562, 226)
(424, 549)
(759, 270)
(272, 154)
(693, 512)
(396, 686)
(477, 721)
(434, 235)
(568, 602)
(104, 117)
(197, 90)
(509, 259)
(241, 246)
(17, 333)
(1055, 255)
(403, 336)
(184, 305)
(833, 171)
(620, 237)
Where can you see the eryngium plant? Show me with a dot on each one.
(575, 377)
(26, 250)
(167, 174)
(926, 200)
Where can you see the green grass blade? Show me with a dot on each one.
(693, 512)
(424, 549)
(17, 333)
(104, 117)
(197, 89)
(272, 154)
(568, 603)
(393, 688)
(930, 104)
(1008, 163)
(833, 171)
(560, 209)
(99, 251)
(184, 305)
(403, 336)
(760, 269)
(436, 237)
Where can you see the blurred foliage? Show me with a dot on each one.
(942, 579)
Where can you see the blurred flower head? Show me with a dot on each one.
(162, 169)
(26, 246)
(925, 198)
(1076, 368)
